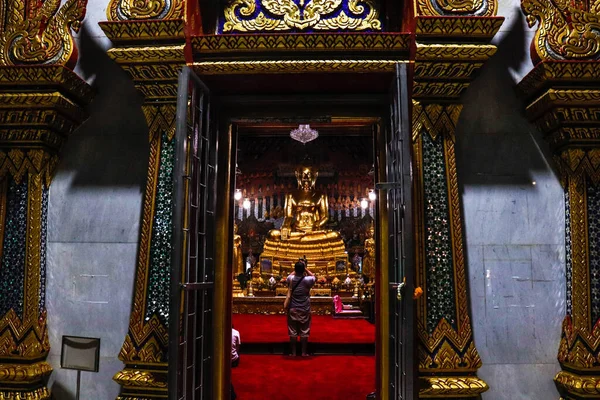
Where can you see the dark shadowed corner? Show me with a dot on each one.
(509, 148)
(111, 147)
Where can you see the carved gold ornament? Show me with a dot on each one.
(284, 15)
(566, 31)
(42, 35)
(125, 10)
(480, 8)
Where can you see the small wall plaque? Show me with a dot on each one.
(80, 353)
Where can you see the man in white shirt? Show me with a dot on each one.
(235, 348)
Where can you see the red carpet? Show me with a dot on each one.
(257, 328)
(260, 377)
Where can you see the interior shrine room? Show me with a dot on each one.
(170, 170)
(341, 253)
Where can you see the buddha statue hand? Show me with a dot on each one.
(285, 233)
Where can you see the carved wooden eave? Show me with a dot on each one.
(151, 52)
(40, 106)
(563, 98)
(299, 53)
(449, 52)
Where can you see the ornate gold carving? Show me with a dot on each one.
(147, 341)
(144, 30)
(19, 164)
(587, 386)
(315, 42)
(446, 348)
(274, 305)
(37, 394)
(25, 339)
(439, 90)
(130, 10)
(142, 378)
(155, 54)
(24, 373)
(480, 27)
(155, 70)
(285, 15)
(36, 81)
(566, 31)
(43, 35)
(456, 52)
(480, 8)
(293, 66)
(557, 73)
(454, 386)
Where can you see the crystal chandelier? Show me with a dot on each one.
(304, 134)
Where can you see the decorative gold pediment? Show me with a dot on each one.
(40, 35)
(300, 15)
(567, 30)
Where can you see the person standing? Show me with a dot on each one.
(299, 317)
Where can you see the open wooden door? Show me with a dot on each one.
(396, 355)
(191, 350)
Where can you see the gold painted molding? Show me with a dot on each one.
(321, 42)
(454, 386)
(293, 66)
(583, 386)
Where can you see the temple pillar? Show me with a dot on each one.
(562, 94)
(149, 40)
(42, 102)
(450, 48)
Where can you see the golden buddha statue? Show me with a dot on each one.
(302, 233)
(368, 265)
(238, 259)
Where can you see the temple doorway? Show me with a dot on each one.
(331, 229)
(239, 239)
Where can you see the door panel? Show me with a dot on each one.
(193, 254)
(398, 247)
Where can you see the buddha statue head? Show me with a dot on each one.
(306, 177)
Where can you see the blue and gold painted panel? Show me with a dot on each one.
(243, 16)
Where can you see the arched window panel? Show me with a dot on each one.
(291, 16)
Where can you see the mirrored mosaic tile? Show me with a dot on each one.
(43, 248)
(568, 254)
(12, 266)
(438, 245)
(157, 298)
(593, 217)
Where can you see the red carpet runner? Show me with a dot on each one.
(269, 377)
(319, 377)
(256, 328)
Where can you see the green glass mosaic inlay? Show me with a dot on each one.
(12, 266)
(157, 300)
(438, 244)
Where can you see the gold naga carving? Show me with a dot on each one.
(125, 10)
(41, 34)
(567, 30)
(240, 15)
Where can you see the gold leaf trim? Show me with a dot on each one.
(293, 66)
(451, 386)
